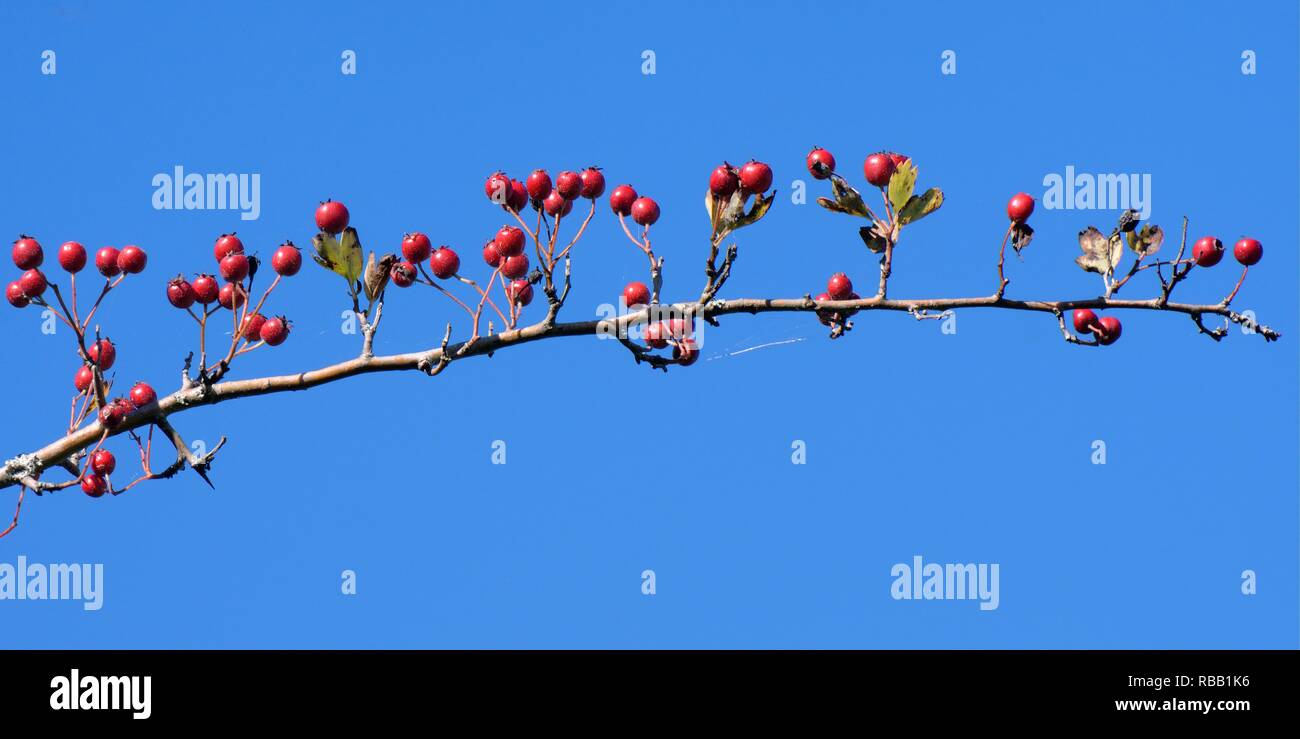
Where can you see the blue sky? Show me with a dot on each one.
(970, 447)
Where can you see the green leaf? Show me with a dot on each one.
(328, 252)
(901, 185)
(350, 254)
(919, 207)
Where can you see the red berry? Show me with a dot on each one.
(72, 257)
(445, 262)
(103, 353)
(1108, 330)
(83, 378)
(593, 183)
(686, 352)
(142, 395)
(180, 293)
(514, 267)
(517, 198)
(232, 296)
(755, 177)
(205, 289)
(332, 217)
(93, 485)
(131, 259)
(656, 336)
(636, 293)
(275, 331)
(569, 185)
(252, 328)
(1207, 251)
(1248, 251)
(1020, 207)
(416, 247)
(497, 188)
(520, 291)
(287, 260)
(234, 267)
(15, 295)
(897, 159)
(112, 416)
(509, 241)
(825, 316)
(723, 181)
(491, 255)
(645, 211)
(821, 163)
(103, 462)
(621, 199)
(33, 283)
(839, 287)
(106, 261)
(403, 274)
(878, 168)
(227, 244)
(1085, 321)
(555, 204)
(538, 184)
(27, 253)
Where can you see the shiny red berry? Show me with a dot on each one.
(497, 188)
(142, 395)
(15, 295)
(113, 415)
(106, 262)
(93, 485)
(1020, 207)
(131, 259)
(878, 168)
(416, 247)
(821, 163)
(287, 260)
(514, 267)
(593, 183)
(827, 317)
(517, 198)
(403, 274)
(686, 352)
(275, 331)
(491, 255)
(645, 211)
(621, 199)
(27, 253)
(655, 335)
(332, 217)
(1108, 330)
(755, 176)
(520, 292)
(1248, 251)
(180, 293)
(510, 241)
(555, 204)
(33, 283)
(205, 289)
(252, 328)
(103, 462)
(234, 267)
(103, 353)
(232, 296)
(569, 185)
(538, 184)
(1085, 321)
(839, 287)
(72, 257)
(636, 293)
(1207, 251)
(83, 378)
(445, 262)
(898, 159)
(723, 181)
(227, 244)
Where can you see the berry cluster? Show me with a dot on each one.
(28, 256)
